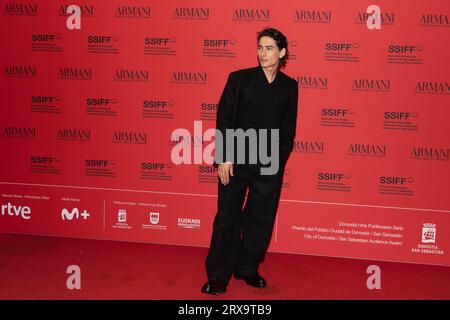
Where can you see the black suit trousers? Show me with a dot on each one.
(241, 236)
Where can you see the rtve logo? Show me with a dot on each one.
(18, 211)
(66, 215)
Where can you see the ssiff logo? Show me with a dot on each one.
(429, 233)
(154, 217)
(122, 215)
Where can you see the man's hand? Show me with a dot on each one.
(224, 171)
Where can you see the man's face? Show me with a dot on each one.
(268, 53)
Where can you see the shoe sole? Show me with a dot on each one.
(254, 286)
(203, 290)
(213, 293)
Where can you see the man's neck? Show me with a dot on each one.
(270, 72)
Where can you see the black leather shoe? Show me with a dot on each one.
(254, 280)
(214, 286)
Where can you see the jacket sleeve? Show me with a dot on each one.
(224, 119)
(289, 126)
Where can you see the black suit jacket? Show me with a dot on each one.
(234, 98)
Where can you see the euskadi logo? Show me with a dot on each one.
(188, 223)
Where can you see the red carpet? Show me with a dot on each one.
(34, 267)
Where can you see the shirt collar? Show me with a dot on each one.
(262, 76)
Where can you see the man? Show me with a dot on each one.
(256, 98)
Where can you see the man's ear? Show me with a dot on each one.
(282, 52)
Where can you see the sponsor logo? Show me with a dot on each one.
(105, 44)
(86, 10)
(337, 117)
(101, 106)
(133, 12)
(304, 146)
(45, 164)
(367, 150)
(334, 181)
(122, 215)
(341, 52)
(129, 137)
(429, 233)
(386, 18)
(154, 219)
(400, 120)
(312, 16)
(158, 109)
(207, 174)
(242, 14)
(20, 9)
(99, 168)
(312, 82)
(434, 20)
(429, 153)
(128, 75)
(70, 73)
(371, 85)
(191, 13)
(74, 135)
(121, 222)
(156, 171)
(180, 77)
(20, 71)
(405, 54)
(432, 87)
(46, 42)
(208, 111)
(19, 132)
(428, 244)
(394, 185)
(160, 46)
(46, 104)
(18, 211)
(219, 48)
(188, 223)
(74, 214)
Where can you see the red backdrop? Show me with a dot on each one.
(88, 114)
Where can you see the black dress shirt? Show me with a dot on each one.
(250, 101)
(263, 111)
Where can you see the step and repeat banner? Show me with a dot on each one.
(92, 92)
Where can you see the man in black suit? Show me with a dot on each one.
(256, 98)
